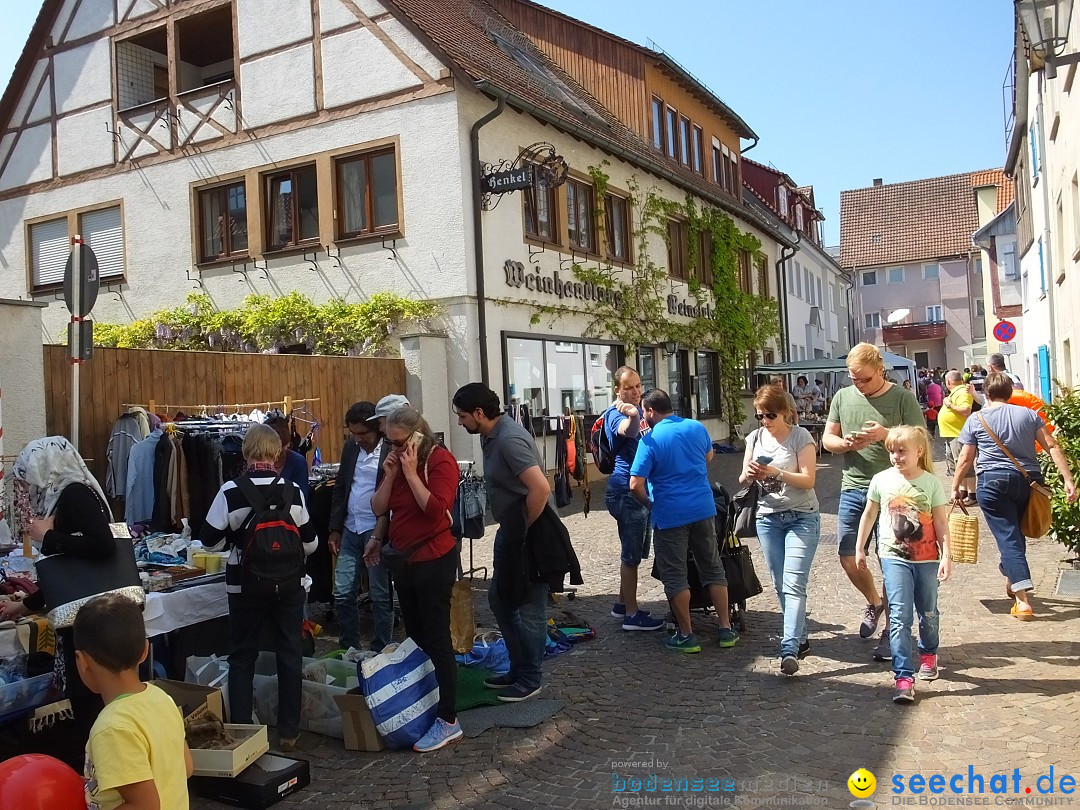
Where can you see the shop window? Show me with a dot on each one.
(678, 249)
(708, 384)
(646, 367)
(367, 194)
(539, 210)
(678, 375)
(223, 230)
(50, 244)
(580, 216)
(617, 225)
(556, 376)
(292, 207)
(525, 373)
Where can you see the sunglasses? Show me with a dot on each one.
(860, 380)
(399, 444)
(760, 416)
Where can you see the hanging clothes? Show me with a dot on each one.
(125, 433)
(139, 491)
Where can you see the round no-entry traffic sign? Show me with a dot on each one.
(1005, 331)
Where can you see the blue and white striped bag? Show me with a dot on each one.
(402, 693)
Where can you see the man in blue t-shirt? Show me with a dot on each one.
(624, 424)
(672, 458)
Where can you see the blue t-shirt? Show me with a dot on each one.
(672, 457)
(625, 448)
(296, 470)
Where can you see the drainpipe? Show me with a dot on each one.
(849, 295)
(781, 283)
(478, 227)
(751, 146)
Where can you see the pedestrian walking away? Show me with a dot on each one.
(671, 461)
(782, 460)
(859, 419)
(908, 503)
(955, 410)
(1003, 491)
(624, 422)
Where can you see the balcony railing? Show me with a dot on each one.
(925, 330)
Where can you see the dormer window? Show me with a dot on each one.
(781, 194)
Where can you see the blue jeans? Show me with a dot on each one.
(635, 527)
(848, 514)
(524, 627)
(789, 541)
(911, 587)
(1003, 496)
(346, 583)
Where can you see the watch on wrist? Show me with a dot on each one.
(780, 476)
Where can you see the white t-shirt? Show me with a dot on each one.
(777, 496)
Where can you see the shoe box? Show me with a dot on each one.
(264, 782)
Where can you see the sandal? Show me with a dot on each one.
(1022, 615)
(1008, 589)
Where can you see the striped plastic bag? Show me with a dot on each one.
(402, 693)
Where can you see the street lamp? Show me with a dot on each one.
(1046, 25)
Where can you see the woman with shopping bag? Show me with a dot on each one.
(1000, 441)
(418, 488)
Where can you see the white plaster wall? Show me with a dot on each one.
(267, 98)
(22, 376)
(83, 140)
(412, 47)
(266, 24)
(333, 14)
(91, 18)
(40, 110)
(31, 159)
(382, 72)
(83, 75)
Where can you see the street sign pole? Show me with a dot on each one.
(76, 336)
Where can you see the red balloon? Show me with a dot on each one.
(38, 782)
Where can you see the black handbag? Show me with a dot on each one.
(563, 495)
(68, 582)
(742, 579)
(746, 505)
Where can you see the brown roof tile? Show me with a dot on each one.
(913, 221)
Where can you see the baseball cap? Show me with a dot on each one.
(387, 405)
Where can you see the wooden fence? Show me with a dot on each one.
(116, 377)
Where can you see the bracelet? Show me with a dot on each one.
(780, 476)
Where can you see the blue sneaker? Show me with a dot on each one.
(728, 637)
(441, 733)
(618, 611)
(684, 644)
(642, 621)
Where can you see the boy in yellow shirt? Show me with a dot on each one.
(137, 757)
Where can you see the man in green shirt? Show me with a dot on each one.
(860, 416)
(955, 410)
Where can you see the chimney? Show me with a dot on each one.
(877, 181)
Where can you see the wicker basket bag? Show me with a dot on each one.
(963, 535)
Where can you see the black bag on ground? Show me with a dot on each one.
(272, 559)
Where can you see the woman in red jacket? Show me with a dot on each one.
(418, 489)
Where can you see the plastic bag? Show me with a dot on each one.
(489, 652)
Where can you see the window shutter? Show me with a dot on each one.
(103, 232)
(50, 247)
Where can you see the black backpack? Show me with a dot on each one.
(272, 559)
(600, 446)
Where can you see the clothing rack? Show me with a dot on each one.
(287, 404)
(466, 473)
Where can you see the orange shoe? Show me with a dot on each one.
(1022, 615)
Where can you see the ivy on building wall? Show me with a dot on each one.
(723, 317)
(268, 323)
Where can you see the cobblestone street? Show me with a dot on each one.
(1006, 699)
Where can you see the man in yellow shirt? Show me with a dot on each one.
(955, 410)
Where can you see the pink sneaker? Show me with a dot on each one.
(928, 666)
(905, 691)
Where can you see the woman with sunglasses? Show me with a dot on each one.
(418, 489)
(782, 459)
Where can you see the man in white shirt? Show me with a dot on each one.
(996, 362)
(352, 524)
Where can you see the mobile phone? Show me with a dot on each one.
(858, 434)
(416, 439)
(764, 459)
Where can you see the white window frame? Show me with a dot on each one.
(872, 320)
(867, 274)
(935, 313)
(781, 196)
(890, 275)
(937, 271)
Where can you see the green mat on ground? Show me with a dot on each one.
(471, 691)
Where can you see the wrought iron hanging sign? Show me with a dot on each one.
(535, 166)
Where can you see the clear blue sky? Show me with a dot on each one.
(839, 91)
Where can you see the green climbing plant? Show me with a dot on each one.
(1064, 414)
(265, 323)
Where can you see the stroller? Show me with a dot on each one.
(729, 548)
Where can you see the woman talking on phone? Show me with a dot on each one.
(782, 459)
(418, 489)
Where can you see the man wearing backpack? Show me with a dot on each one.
(624, 425)
(264, 520)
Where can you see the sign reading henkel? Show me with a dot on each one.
(517, 275)
(512, 180)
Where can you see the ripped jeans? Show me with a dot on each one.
(911, 588)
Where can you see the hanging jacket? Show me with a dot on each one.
(125, 433)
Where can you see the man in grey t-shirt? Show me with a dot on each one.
(517, 487)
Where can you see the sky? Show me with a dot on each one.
(839, 91)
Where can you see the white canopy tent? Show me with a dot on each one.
(901, 367)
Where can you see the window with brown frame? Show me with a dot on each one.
(733, 173)
(292, 206)
(580, 215)
(697, 156)
(658, 123)
(367, 194)
(223, 231)
(539, 210)
(49, 244)
(746, 279)
(719, 166)
(763, 277)
(684, 140)
(704, 257)
(671, 131)
(678, 250)
(617, 225)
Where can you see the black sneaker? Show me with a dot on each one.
(883, 650)
(789, 665)
(499, 682)
(804, 650)
(518, 693)
(871, 616)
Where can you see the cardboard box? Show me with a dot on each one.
(209, 762)
(268, 780)
(357, 723)
(192, 698)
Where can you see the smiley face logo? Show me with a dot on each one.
(861, 783)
